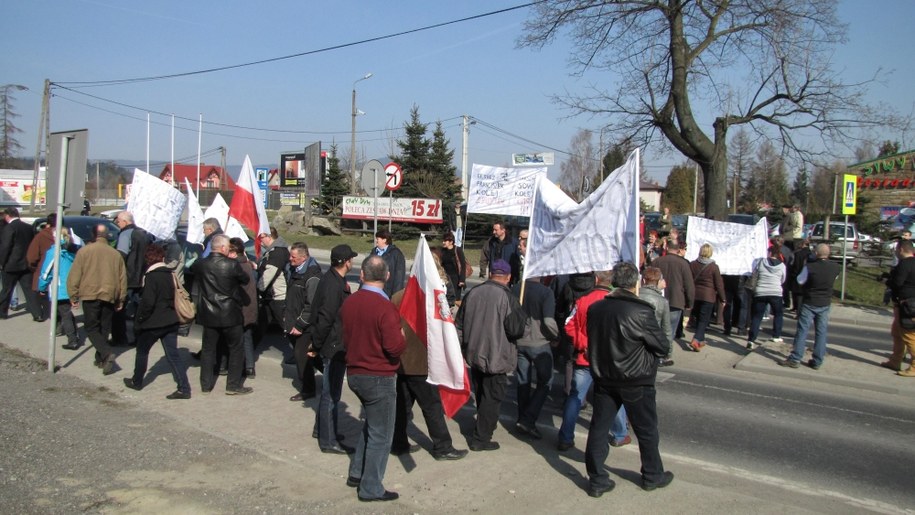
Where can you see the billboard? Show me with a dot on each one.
(413, 210)
(303, 170)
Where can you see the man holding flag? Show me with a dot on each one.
(432, 357)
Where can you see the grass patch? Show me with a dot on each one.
(862, 286)
(364, 243)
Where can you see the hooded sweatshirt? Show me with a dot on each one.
(772, 274)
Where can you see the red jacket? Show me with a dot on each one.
(577, 324)
(371, 334)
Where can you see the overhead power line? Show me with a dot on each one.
(87, 84)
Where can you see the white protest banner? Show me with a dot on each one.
(220, 211)
(195, 216)
(566, 237)
(734, 246)
(156, 206)
(414, 210)
(502, 191)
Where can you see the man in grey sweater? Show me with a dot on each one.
(535, 354)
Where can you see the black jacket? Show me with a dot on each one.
(157, 304)
(397, 266)
(624, 340)
(821, 276)
(135, 258)
(326, 326)
(14, 244)
(300, 292)
(218, 282)
(902, 279)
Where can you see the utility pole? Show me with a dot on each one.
(42, 128)
(465, 150)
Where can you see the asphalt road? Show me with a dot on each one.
(787, 435)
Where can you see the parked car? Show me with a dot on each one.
(744, 219)
(83, 226)
(840, 235)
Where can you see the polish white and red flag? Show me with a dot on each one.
(248, 203)
(425, 309)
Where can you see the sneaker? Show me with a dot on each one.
(564, 446)
(751, 345)
(813, 364)
(243, 390)
(790, 363)
(128, 382)
(665, 362)
(619, 443)
(178, 395)
(695, 346)
(778, 340)
(666, 479)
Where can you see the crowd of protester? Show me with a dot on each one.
(607, 331)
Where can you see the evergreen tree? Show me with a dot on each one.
(414, 158)
(678, 195)
(800, 189)
(739, 155)
(335, 184)
(442, 160)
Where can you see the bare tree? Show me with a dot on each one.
(669, 54)
(577, 173)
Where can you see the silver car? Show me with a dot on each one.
(839, 235)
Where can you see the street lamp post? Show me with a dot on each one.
(352, 150)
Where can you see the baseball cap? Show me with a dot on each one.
(500, 267)
(341, 253)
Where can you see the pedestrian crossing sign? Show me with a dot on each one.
(850, 194)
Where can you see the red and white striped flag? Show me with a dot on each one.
(247, 203)
(425, 308)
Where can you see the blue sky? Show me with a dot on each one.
(471, 68)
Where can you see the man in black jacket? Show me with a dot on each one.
(902, 288)
(624, 344)
(132, 242)
(817, 284)
(394, 258)
(327, 341)
(219, 282)
(300, 292)
(14, 243)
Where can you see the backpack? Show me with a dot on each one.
(184, 306)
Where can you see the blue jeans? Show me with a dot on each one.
(581, 383)
(676, 321)
(759, 307)
(820, 317)
(536, 361)
(378, 395)
(640, 403)
(703, 311)
(326, 419)
(169, 337)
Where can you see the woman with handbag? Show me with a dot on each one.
(769, 275)
(709, 288)
(454, 263)
(156, 320)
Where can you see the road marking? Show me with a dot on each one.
(793, 401)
